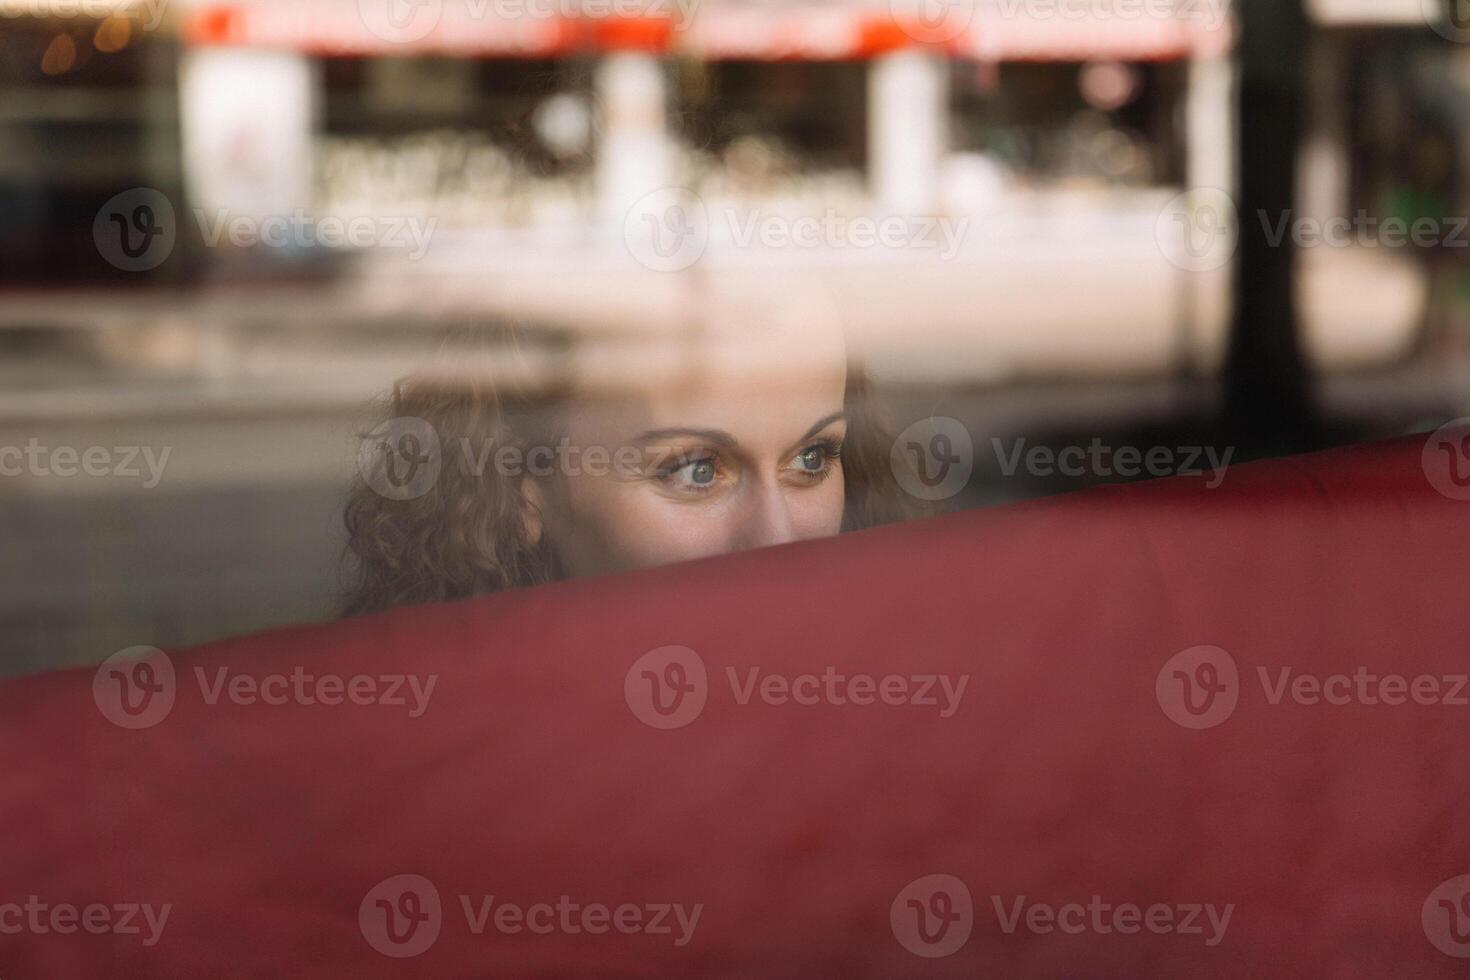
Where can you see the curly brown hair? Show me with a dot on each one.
(467, 534)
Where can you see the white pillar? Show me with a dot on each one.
(1209, 125)
(1210, 152)
(1323, 179)
(908, 104)
(247, 118)
(633, 156)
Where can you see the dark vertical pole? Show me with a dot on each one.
(1268, 401)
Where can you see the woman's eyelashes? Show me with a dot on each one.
(696, 472)
(691, 472)
(818, 461)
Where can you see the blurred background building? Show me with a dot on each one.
(600, 174)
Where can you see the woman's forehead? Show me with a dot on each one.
(756, 404)
(762, 374)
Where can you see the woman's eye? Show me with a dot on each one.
(696, 474)
(812, 460)
(815, 463)
(700, 473)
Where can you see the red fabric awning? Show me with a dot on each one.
(714, 32)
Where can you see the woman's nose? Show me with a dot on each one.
(766, 521)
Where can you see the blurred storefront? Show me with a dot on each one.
(616, 174)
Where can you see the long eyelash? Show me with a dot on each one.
(831, 445)
(678, 461)
(831, 449)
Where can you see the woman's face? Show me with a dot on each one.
(739, 458)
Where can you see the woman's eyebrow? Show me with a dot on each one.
(717, 436)
(822, 423)
(722, 438)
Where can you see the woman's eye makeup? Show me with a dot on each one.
(702, 470)
(816, 462)
(695, 471)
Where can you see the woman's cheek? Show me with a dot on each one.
(659, 531)
(625, 527)
(817, 511)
